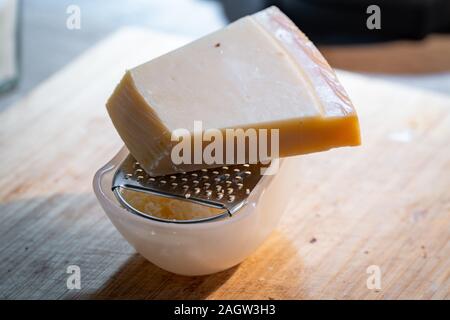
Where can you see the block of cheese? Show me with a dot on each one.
(258, 72)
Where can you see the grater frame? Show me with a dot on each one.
(225, 187)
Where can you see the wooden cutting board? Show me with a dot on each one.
(385, 204)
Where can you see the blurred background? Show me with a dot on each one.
(411, 47)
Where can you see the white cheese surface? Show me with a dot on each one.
(236, 76)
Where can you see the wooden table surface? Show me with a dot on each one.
(385, 204)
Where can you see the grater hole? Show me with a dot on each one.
(227, 184)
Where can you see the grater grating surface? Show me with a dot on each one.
(225, 187)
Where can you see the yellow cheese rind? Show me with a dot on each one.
(259, 72)
(331, 95)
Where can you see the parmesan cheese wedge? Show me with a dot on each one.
(259, 72)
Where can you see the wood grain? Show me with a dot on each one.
(386, 203)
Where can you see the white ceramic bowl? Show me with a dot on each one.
(198, 248)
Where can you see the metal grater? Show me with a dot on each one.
(225, 187)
